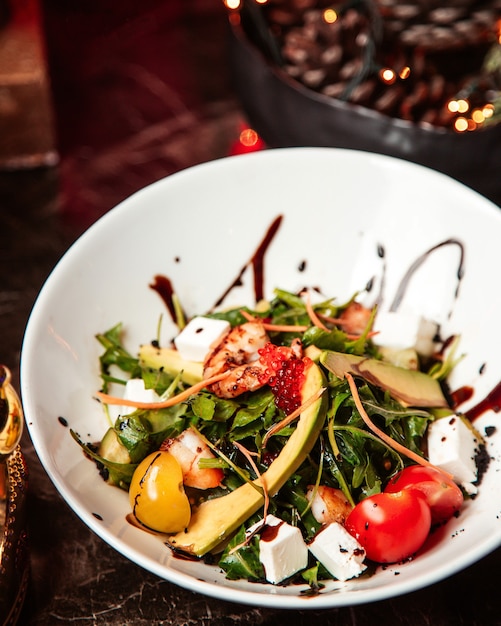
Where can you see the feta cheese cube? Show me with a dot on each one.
(339, 552)
(199, 336)
(452, 446)
(400, 331)
(282, 550)
(135, 390)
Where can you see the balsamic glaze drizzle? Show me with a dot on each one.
(399, 295)
(381, 252)
(491, 402)
(257, 262)
(163, 286)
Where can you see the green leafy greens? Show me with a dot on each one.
(346, 456)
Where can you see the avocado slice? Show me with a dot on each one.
(214, 521)
(169, 360)
(407, 358)
(112, 449)
(409, 387)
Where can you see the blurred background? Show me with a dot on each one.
(133, 90)
(127, 88)
(96, 90)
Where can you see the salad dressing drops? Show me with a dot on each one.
(270, 532)
(164, 288)
(397, 300)
(257, 262)
(492, 402)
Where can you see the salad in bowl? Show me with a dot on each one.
(284, 442)
(266, 382)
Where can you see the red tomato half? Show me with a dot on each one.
(444, 497)
(390, 526)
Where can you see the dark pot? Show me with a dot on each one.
(287, 114)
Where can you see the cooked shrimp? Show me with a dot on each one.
(297, 348)
(354, 318)
(238, 347)
(328, 504)
(243, 378)
(238, 352)
(188, 449)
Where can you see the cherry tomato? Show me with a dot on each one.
(157, 495)
(390, 526)
(444, 497)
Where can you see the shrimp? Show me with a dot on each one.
(328, 504)
(354, 318)
(238, 354)
(188, 448)
(250, 359)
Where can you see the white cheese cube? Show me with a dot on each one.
(199, 336)
(339, 552)
(282, 550)
(452, 446)
(135, 391)
(400, 331)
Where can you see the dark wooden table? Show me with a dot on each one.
(139, 94)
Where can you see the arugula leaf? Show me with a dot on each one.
(116, 354)
(241, 559)
(334, 340)
(203, 407)
(253, 413)
(118, 474)
(311, 576)
(143, 431)
(159, 380)
(291, 300)
(366, 461)
(298, 507)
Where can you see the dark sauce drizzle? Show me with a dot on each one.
(164, 288)
(460, 395)
(397, 300)
(269, 533)
(381, 252)
(257, 262)
(492, 402)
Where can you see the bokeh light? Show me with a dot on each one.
(330, 16)
(461, 124)
(387, 75)
(232, 4)
(405, 72)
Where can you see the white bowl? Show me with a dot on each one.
(199, 228)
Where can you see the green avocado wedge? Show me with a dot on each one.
(215, 521)
(169, 360)
(112, 449)
(409, 387)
